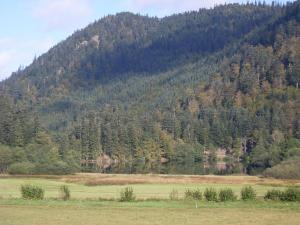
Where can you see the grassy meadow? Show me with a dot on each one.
(103, 186)
(133, 213)
(94, 200)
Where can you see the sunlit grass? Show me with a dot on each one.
(144, 213)
(10, 188)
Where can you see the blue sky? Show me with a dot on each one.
(30, 27)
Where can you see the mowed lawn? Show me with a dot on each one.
(145, 187)
(148, 213)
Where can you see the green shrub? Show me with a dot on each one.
(188, 194)
(227, 195)
(32, 192)
(174, 195)
(197, 195)
(193, 194)
(65, 193)
(127, 195)
(211, 194)
(288, 169)
(248, 193)
(291, 195)
(274, 195)
(21, 168)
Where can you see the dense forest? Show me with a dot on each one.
(208, 91)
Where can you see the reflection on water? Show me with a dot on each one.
(189, 168)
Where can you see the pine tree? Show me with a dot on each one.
(107, 138)
(94, 149)
(133, 138)
(17, 133)
(6, 120)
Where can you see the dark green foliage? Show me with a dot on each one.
(193, 194)
(55, 168)
(184, 153)
(65, 193)
(6, 158)
(26, 148)
(288, 169)
(248, 193)
(211, 194)
(227, 195)
(32, 192)
(274, 195)
(291, 195)
(127, 195)
(20, 168)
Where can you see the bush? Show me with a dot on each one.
(288, 169)
(21, 168)
(127, 195)
(32, 192)
(174, 195)
(193, 194)
(248, 193)
(65, 193)
(291, 195)
(211, 194)
(227, 195)
(188, 194)
(274, 195)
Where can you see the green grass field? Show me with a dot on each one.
(53, 212)
(10, 187)
(86, 208)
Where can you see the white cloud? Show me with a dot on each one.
(62, 14)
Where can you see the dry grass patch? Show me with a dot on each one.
(122, 179)
(94, 179)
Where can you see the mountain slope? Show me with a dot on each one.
(176, 89)
(128, 43)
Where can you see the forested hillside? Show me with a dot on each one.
(209, 91)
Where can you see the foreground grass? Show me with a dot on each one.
(54, 212)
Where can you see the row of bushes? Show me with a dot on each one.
(210, 194)
(247, 193)
(33, 192)
(290, 194)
